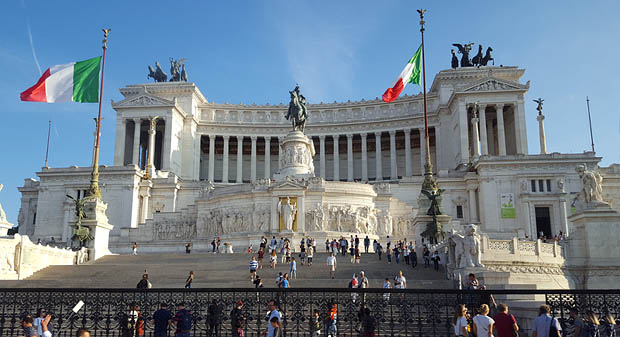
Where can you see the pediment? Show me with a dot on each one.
(289, 184)
(142, 100)
(494, 84)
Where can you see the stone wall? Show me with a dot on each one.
(20, 257)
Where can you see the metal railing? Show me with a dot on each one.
(396, 312)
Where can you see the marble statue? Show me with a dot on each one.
(2, 214)
(288, 212)
(592, 186)
(82, 256)
(471, 255)
(207, 189)
(7, 259)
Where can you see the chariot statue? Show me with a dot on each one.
(297, 111)
(157, 74)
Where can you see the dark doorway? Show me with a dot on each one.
(543, 222)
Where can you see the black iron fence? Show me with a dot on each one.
(396, 312)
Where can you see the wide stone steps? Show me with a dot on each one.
(221, 271)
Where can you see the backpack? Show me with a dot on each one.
(351, 284)
(186, 321)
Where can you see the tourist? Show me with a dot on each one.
(363, 282)
(45, 326)
(273, 313)
(327, 245)
(288, 254)
(188, 248)
(36, 323)
(263, 243)
(352, 253)
(134, 248)
(353, 283)
(379, 250)
(397, 254)
(413, 257)
(608, 326)
(275, 324)
(293, 270)
(213, 244)
(302, 254)
(133, 322)
(366, 244)
(388, 242)
(274, 242)
(406, 253)
(374, 245)
(357, 255)
(161, 320)
(357, 242)
(218, 244)
(236, 320)
(435, 258)
(261, 255)
(426, 255)
(332, 320)
(190, 279)
(285, 283)
(545, 325)
(83, 333)
(214, 314)
(387, 285)
(400, 282)
(144, 282)
(279, 280)
(253, 268)
(315, 324)
(250, 248)
(183, 321)
(310, 255)
(592, 324)
(369, 324)
(472, 282)
(314, 246)
(27, 325)
(578, 323)
(281, 245)
(505, 324)
(258, 283)
(483, 324)
(460, 321)
(273, 259)
(331, 265)
(389, 255)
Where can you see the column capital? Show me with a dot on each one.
(336, 136)
(322, 137)
(240, 138)
(499, 106)
(392, 133)
(475, 120)
(226, 137)
(137, 120)
(267, 139)
(407, 131)
(482, 106)
(378, 134)
(364, 134)
(253, 138)
(212, 138)
(349, 135)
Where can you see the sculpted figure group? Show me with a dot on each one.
(177, 72)
(477, 61)
(464, 250)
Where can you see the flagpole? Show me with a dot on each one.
(590, 121)
(94, 191)
(47, 149)
(429, 181)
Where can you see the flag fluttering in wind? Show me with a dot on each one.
(411, 74)
(71, 82)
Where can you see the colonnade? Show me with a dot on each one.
(133, 147)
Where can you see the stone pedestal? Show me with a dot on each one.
(97, 221)
(592, 256)
(296, 158)
(420, 222)
(4, 227)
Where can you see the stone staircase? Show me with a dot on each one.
(221, 271)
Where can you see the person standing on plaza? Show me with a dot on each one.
(261, 255)
(389, 255)
(183, 321)
(27, 325)
(483, 324)
(353, 283)
(273, 313)
(400, 282)
(363, 282)
(302, 254)
(413, 257)
(315, 324)
(237, 320)
(592, 324)
(435, 258)
(388, 242)
(379, 250)
(36, 324)
(426, 255)
(352, 252)
(331, 265)
(545, 325)
(327, 245)
(332, 321)
(190, 279)
(310, 255)
(608, 326)
(253, 268)
(459, 321)
(188, 248)
(386, 285)
(214, 314)
(313, 246)
(357, 255)
(357, 242)
(161, 320)
(133, 322)
(397, 254)
(273, 259)
(134, 248)
(505, 323)
(286, 283)
(374, 245)
(274, 243)
(406, 253)
(366, 244)
(293, 271)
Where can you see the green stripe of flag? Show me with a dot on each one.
(86, 80)
(417, 67)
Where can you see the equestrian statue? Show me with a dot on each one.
(297, 112)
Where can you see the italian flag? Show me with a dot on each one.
(411, 74)
(71, 82)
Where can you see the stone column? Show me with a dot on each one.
(475, 138)
(520, 128)
(322, 155)
(197, 155)
(438, 161)
(151, 150)
(136, 141)
(239, 159)
(393, 167)
(422, 150)
(541, 133)
(408, 168)
(144, 208)
(225, 160)
(253, 159)
(473, 210)
(483, 130)
(119, 149)
(464, 134)
(349, 157)
(336, 158)
(268, 157)
(167, 145)
(280, 139)
(501, 135)
(378, 157)
(364, 157)
(212, 158)
(563, 220)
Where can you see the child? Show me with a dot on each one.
(277, 332)
(293, 271)
(332, 330)
(315, 324)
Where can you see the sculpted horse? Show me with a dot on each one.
(157, 74)
(297, 111)
(487, 57)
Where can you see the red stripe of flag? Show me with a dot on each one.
(36, 93)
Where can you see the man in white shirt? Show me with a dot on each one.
(400, 282)
(331, 264)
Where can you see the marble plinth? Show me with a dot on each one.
(296, 159)
(97, 221)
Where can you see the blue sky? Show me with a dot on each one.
(254, 51)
